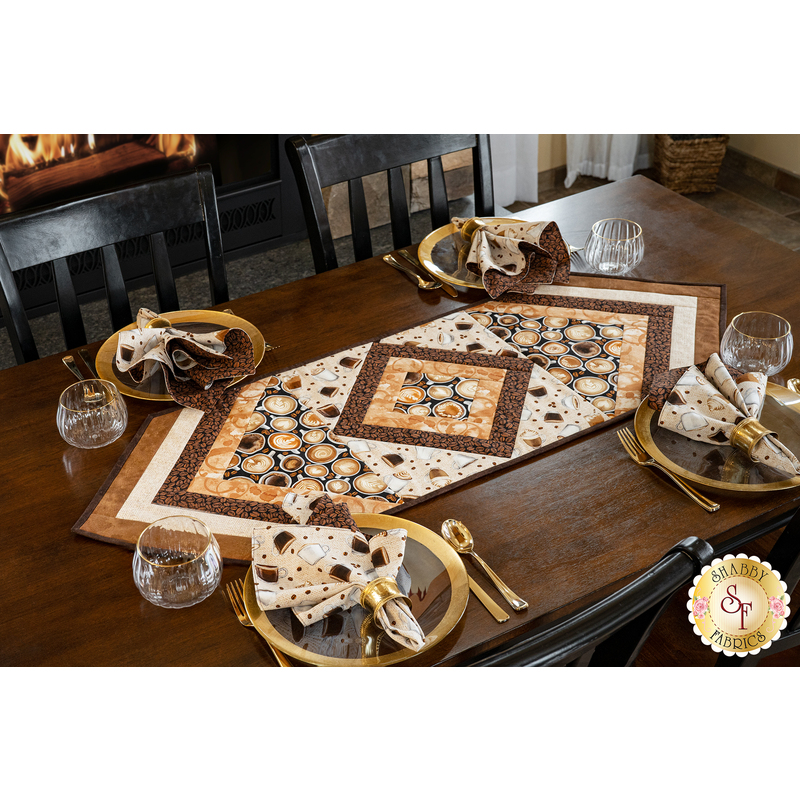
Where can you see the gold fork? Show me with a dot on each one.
(421, 282)
(235, 590)
(637, 453)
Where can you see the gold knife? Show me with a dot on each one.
(487, 601)
(417, 263)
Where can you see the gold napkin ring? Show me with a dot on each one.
(747, 434)
(379, 592)
(469, 228)
(158, 322)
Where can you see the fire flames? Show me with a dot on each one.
(25, 152)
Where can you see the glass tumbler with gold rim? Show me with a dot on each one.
(757, 341)
(91, 414)
(177, 562)
(614, 246)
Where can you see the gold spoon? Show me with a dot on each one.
(459, 538)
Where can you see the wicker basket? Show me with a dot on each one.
(689, 164)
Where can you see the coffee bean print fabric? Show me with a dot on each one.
(319, 571)
(707, 406)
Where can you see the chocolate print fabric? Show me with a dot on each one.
(318, 570)
(707, 406)
(197, 367)
(517, 256)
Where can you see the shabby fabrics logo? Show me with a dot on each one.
(738, 605)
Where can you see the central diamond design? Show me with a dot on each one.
(469, 402)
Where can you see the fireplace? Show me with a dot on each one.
(258, 202)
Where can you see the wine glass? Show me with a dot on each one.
(614, 246)
(91, 414)
(757, 341)
(177, 562)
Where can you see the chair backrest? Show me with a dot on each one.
(612, 631)
(321, 161)
(98, 222)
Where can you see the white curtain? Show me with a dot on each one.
(607, 155)
(515, 168)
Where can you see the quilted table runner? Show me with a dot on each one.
(386, 424)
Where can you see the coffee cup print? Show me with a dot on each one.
(280, 404)
(380, 558)
(251, 443)
(312, 553)
(692, 421)
(325, 375)
(359, 544)
(586, 349)
(282, 541)
(340, 572)
(579, 333)
(396, 484)
(270, 573)
(284, 441)
(591, 386)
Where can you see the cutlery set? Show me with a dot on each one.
(421, 283)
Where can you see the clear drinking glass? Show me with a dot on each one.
(91, 414)
(757, 341)
(614, 246)
(177, 562)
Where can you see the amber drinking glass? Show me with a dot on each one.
(91, 414)
(757, 341)
(177, 562)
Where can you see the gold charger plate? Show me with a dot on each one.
(439, 251)
(438, 592)
(197, 321)
(722, 466)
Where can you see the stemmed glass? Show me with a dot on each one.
(177, 562)
(91, 414)
(614, 246)
(757, 341)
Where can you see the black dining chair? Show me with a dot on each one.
(99, 221)
(611, 632)
(322, 161)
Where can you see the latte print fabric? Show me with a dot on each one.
(321, 566)
(707, 405)
(517, 256)
(197, 367)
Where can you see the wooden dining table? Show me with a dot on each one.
(563, 529)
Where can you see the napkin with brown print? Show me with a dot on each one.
(706, 402)
(197, 367)
(516, 256)
(322, 564)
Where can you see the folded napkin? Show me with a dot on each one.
(325, 564)
(197, 367)
(517, 256)
(714, 404)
